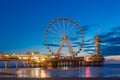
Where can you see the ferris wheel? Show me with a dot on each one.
(64, 36)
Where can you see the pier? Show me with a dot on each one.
(45, 60)
(56, 59)
(35, 59)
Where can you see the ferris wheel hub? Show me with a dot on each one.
(64, 37)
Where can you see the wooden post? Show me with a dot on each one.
(32, 65)
(28, 65)
(8, 63)
(16, 63)
(24, 63)
(5, 64)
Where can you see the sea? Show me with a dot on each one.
(108, 70)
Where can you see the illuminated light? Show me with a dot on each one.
(38, 61)
(43, 59)
(19, 57)
(6, 55)
(87, 58)
(25, 57)
(36, 73)
(20, 72)
(43, 74)
(32, 53)
(35, 57)
(53, 56)
(64, 68)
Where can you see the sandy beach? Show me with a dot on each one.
(59, 78)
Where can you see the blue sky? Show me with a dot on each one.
(23, 23)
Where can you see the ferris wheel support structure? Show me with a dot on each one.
(65, 40)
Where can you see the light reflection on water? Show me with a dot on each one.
(33, 73)
(62, 72)
(88, 74)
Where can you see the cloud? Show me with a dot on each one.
(78, 43)
(114, 32)
(73, 38)
(106, 35)
(86, 28)
(116, 28)
(87, 47)
(91, 46)
(57, 45)
(87, 50)
(54, 45)
(87, 44)
(111, 50)
(111, 42)
(89, 40)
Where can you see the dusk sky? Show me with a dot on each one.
(23, 24)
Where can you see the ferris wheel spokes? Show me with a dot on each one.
(54, 32)
(63, 26)
(67, 27)
(53, 36)
(70, 29)
(56, 29)
(59, 26)
(59, 30)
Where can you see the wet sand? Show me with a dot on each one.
(59, 78)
